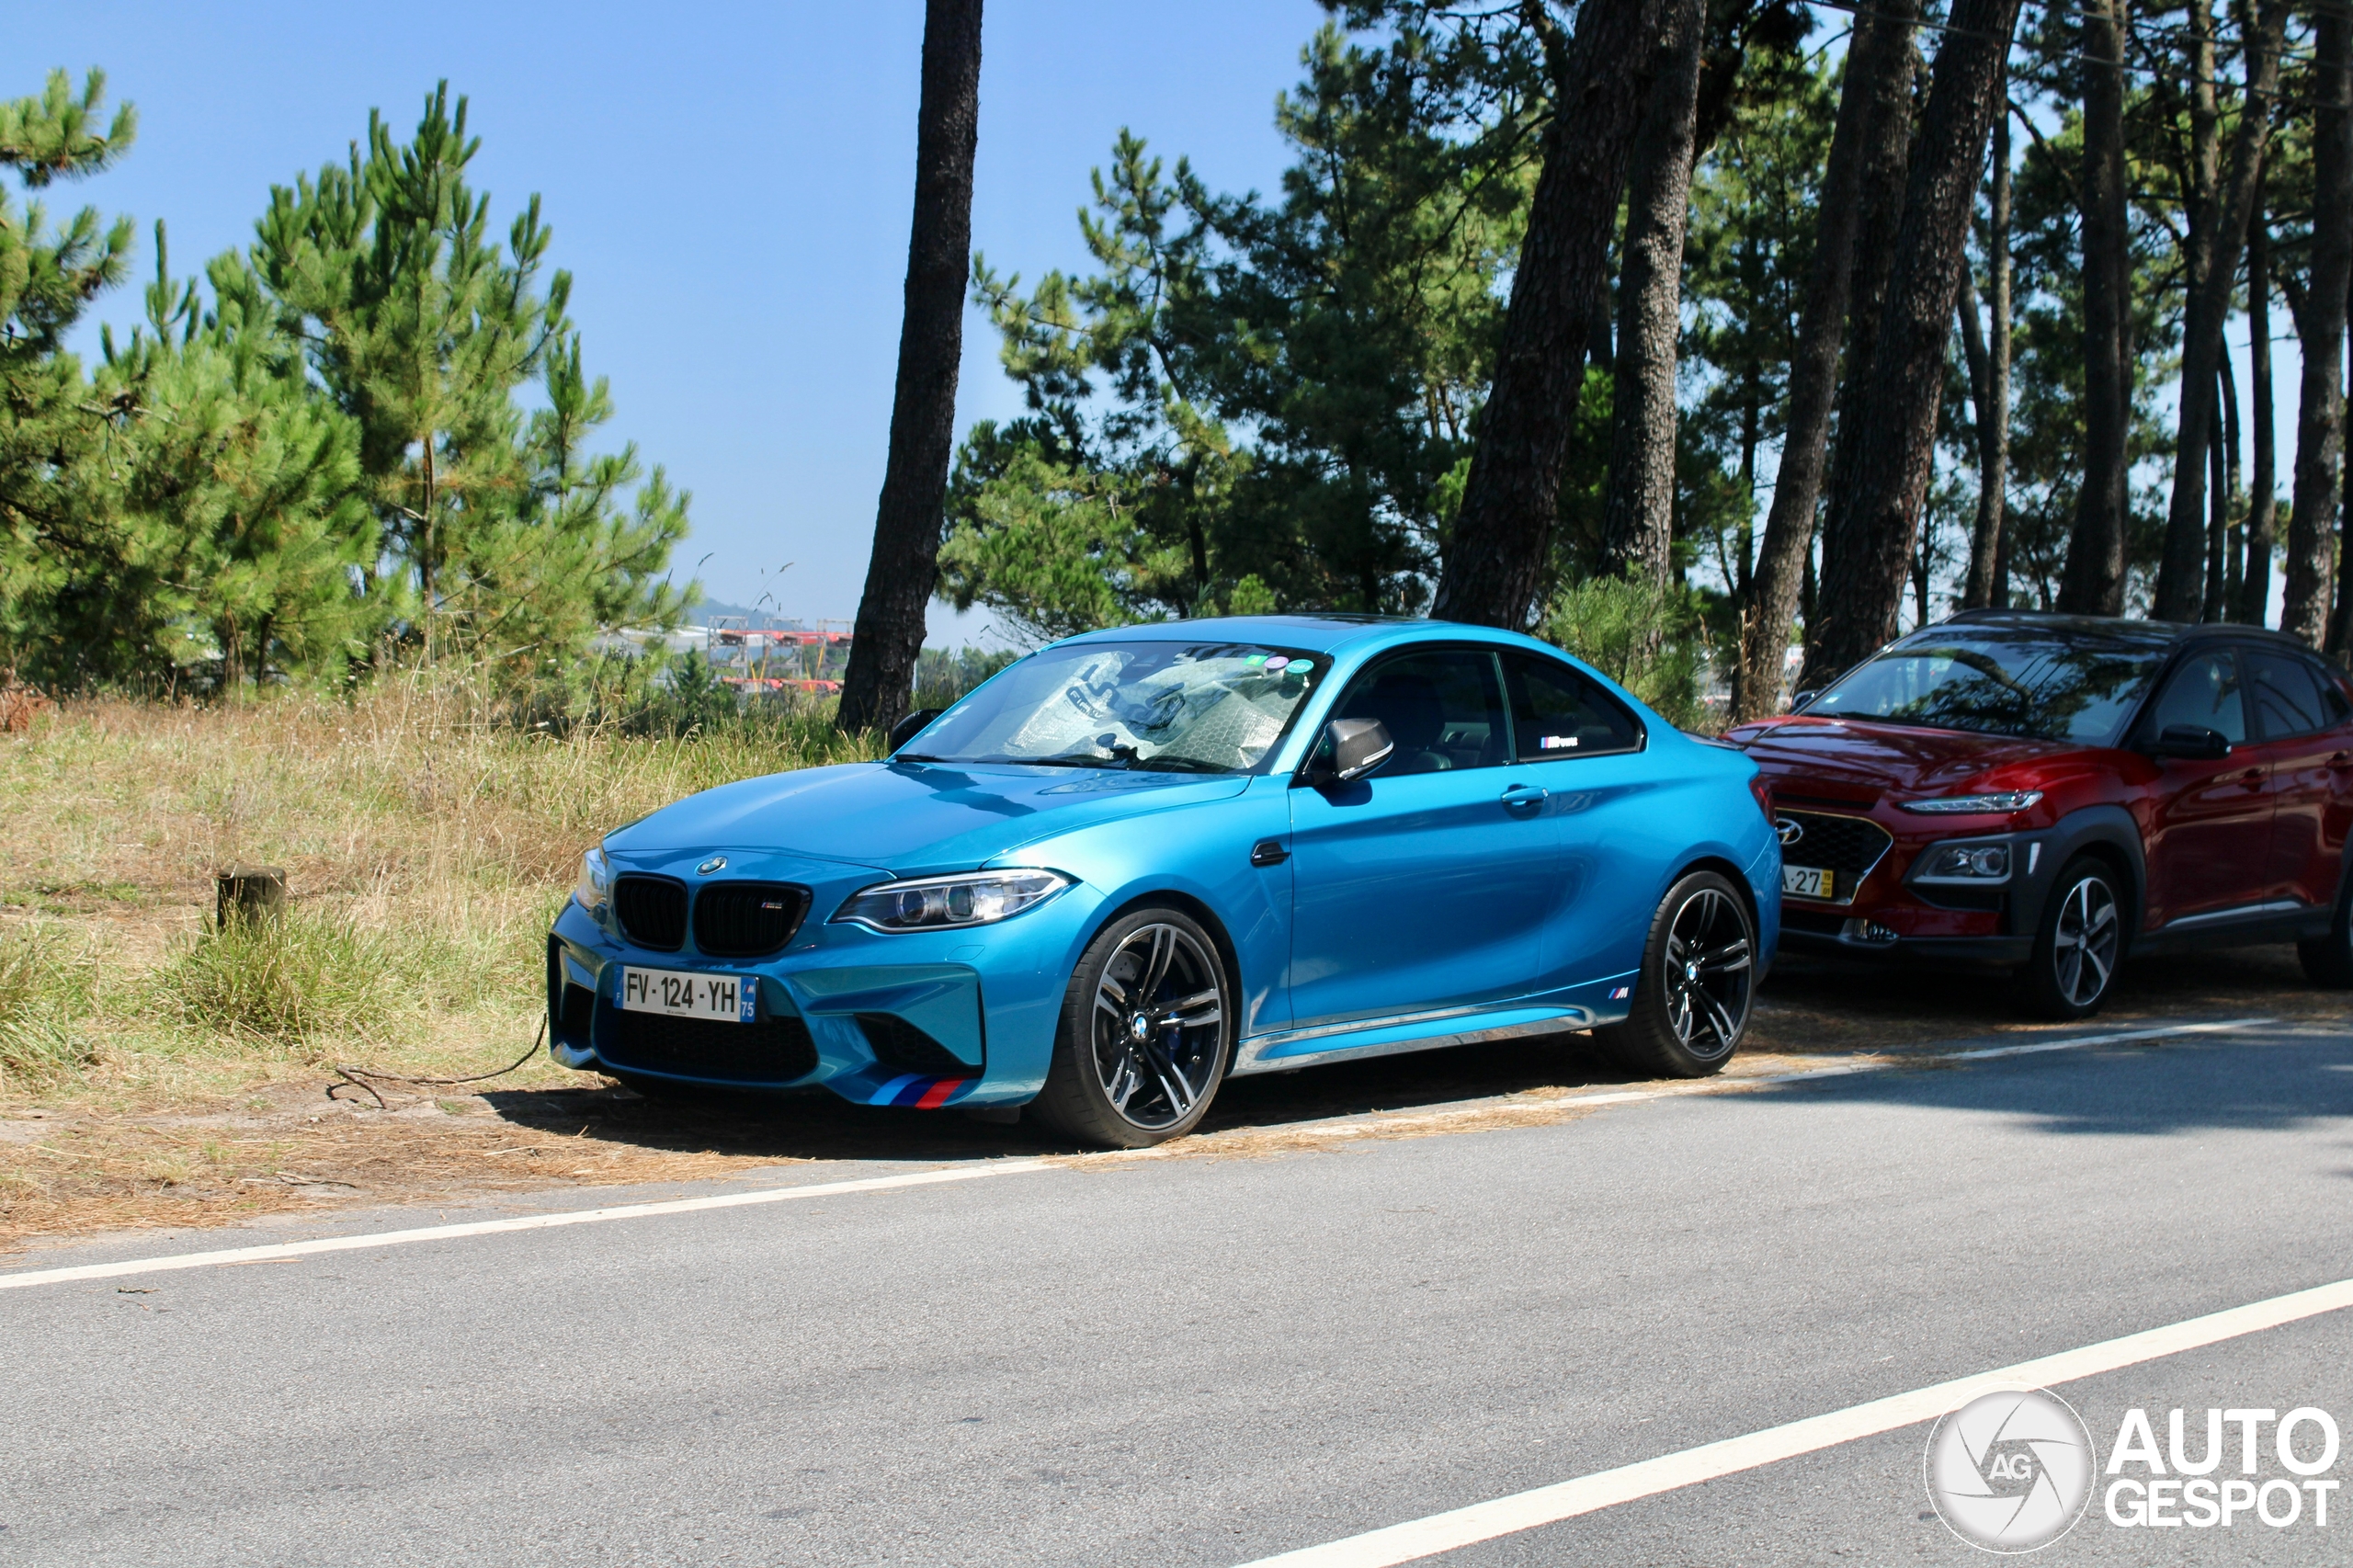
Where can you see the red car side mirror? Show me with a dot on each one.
(2192, 743)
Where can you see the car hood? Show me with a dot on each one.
(1884, 758)
(909, 817)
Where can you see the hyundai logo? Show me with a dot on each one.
(1789, 828)
(719, 863)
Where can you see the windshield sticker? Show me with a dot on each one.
(1277, 662)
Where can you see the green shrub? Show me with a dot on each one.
(46, 988)
(1645, 636)
(293, 979)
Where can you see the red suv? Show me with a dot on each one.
(2044, 794)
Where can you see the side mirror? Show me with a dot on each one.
(911, 726)
(1356, 747)
(2194, 742)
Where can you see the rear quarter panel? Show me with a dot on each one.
(1631, 825)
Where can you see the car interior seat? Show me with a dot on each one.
(1410, 709)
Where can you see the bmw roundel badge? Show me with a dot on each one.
(716, 863)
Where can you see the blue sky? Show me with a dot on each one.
(729, 183)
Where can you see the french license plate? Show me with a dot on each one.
(723, 998)
(1805, 881)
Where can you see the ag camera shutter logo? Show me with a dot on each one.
(2011, 1471)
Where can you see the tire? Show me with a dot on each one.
(2328, 961)
(2080, 946)
(1698, 978)
(1146, 1029)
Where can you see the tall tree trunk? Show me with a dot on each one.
(1638, 517)
(1881, 516)
(1990, 384)
(2092, 581)
(2263, 481)
(2319, 310)
(1874, 110)
(2181, 573)
(905, 567)
(1882, 218)
(1511, 497)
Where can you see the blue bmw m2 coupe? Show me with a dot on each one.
(1137, 861)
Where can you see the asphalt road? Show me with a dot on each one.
(1207, 1362)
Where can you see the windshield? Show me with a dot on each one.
(1172, 707)
(1999, 682)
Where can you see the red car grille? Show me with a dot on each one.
(1848, 847)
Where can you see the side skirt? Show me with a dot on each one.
(2283, 920)
(1283, 1050)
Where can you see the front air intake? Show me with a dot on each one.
(747, 920)
(652, 911)
(774, 1052)
(898, 1044)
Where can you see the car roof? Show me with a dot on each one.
(2118, 630)
(1322, 632)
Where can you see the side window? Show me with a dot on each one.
(2334, 708)
(2204, 692)
(1442, 710)
(1556, 712)
(2286, 702)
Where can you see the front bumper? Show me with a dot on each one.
(1895, 919)
(927, 1019)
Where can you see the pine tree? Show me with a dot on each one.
(506, 539)
(48, 277)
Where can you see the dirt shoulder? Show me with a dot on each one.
(285, 1146)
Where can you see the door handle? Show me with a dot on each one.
(2252, 778)
(2341, 760)
(1269, 852)
(1524, 799)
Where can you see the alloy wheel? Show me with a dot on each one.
(1159, 1026)
(1709, 959)
(2083, 953)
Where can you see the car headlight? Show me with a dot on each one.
(1964, 863)
(939, 903)
(594, 889)
(1961, 805)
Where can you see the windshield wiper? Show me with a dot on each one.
(1068, 759)
(1179, 765)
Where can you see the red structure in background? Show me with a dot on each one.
(777, 659)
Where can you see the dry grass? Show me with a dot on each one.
(427, 846)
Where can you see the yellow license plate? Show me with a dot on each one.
(1805, 881)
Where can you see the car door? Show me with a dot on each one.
(1585, 748)
(2210, 829)
(2304, 735)
(1426, 886)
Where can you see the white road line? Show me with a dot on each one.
(285, 1250)
(1550, 1504)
